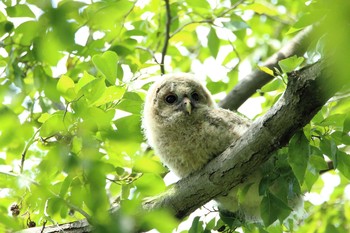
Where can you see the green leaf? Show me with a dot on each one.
(343, 163)
(19, 10)
(150, 184)
(329, 148)
(161, 220)
(57, 123)
(213, 42)
(262, 9)
(48, 42)
(104, 15)
(107, 64)
(289, 64)
(272, 86)
(298, 156)
(113, 93)
(200, 6)
(266, 70)
(145, 164)
(65, 185)
(26, 32)
(86, 79)
(273, 208)
(346, 126)
(235, 24)
(131, 102)
(94, 90)
(65, 86)
(197, 225)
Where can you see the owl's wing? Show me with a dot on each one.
(232, 121)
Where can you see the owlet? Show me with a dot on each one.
(186, 130)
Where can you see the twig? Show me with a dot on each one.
(209, 21)
(26, 148)
(189, 23)
(167, 36)
(330, 167)
(150, 51)
(81, 211)
(43, 228)
(234, 6)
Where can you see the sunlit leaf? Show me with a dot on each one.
(66, 87)
(289, 64)
(266, 70)
(150, 184)
(262, 9)
(113, 93)
(94, 90)
(236, 24)
(57, 123)
(20, 10)
(213, 42)
(107, 64)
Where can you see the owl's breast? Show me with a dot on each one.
(187, 147)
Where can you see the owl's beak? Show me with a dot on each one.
(187, 105)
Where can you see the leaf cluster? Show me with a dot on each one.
(73, 77)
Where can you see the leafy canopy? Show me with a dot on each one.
(73, 76)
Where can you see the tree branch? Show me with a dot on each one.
(255, 80)
(167, 35)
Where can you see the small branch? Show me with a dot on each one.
(149, 51)
(26, 148)
(234, 6)
(167, 36)
(330, 167)
(81, 211)
(255, 80)
(209, 21)
(43, 227)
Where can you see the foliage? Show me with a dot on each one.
(73, 76)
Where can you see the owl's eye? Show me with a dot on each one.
(171, 98)
(195, 96)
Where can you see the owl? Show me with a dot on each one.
(186, 129)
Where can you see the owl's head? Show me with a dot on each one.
(176, 97)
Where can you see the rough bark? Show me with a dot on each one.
(307, 91)
(256, 79)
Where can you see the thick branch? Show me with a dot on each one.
(308, 90)
(255, 80)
